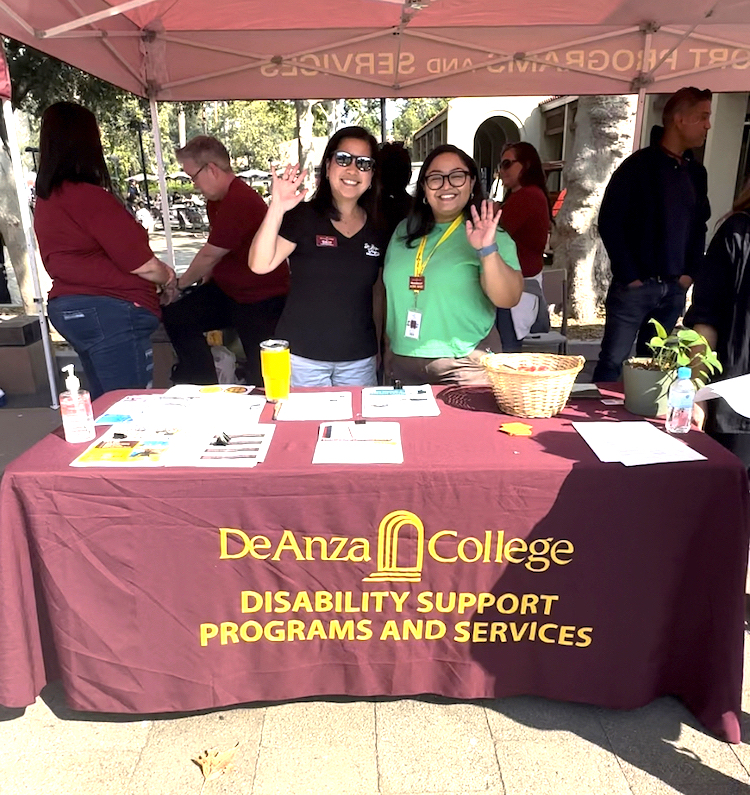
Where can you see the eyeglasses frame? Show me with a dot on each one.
(466, 174)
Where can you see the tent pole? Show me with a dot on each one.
(23, 201)
(640, 112)
(641, 81)
(162, 180)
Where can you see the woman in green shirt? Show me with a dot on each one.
(447, 268)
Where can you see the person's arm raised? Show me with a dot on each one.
(502, 285)
(268, 249)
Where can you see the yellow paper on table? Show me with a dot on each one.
(515, 428)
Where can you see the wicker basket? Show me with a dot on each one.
(531, 394)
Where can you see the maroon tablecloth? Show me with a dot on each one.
(484, 566)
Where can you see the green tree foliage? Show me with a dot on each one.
(251, 130)
(414, 113)
(365, 113)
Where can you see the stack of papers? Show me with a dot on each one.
(359, 443)
(182, 411)
(131, 445)
(315, 406)
(634, 443)
(410, 401)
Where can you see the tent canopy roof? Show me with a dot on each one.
(248, 49)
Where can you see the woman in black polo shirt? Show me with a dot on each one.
(335, 246)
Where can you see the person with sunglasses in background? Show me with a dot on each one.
(526, 218)
(447, 267)
(335, 245)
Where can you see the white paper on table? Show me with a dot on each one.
(359, 443)
(736, 392)
(316, 406)
(198, 390)
(409, 401)
(241, 447)
(139, 408)
(634, 443)
(185, 411)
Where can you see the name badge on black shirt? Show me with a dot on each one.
(326, 241)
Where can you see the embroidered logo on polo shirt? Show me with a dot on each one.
(371, 250)
(326, 241)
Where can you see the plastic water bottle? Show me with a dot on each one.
(680, 401)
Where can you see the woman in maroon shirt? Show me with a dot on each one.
(526, 218)
(104, 275)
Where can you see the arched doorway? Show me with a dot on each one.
(489, 139)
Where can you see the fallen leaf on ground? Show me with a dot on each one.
(214, 763)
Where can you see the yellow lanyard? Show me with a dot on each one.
(419, 263)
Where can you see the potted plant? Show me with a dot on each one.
(646, 380)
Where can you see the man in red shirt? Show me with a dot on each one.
(229, 293)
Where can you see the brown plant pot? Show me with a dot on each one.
(646, 391)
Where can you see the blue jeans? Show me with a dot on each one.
(311, 372)
(629, 310)
(112, 337)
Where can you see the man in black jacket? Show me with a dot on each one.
(653, 224)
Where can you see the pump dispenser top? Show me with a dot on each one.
(76, 410)
(72, 382)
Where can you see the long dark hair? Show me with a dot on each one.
(322, 199)
(421, 221)
(394, 167)
(70, 149)
(532, 172)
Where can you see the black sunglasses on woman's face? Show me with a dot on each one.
(507, 163)
(344, 159)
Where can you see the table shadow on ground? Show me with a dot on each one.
(655, 748)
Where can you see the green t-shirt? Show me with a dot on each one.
(456, 313)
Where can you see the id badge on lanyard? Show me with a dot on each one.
(417, 281)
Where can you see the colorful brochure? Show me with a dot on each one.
(130, 445)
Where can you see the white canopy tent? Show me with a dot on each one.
(252, 49)
(243, 49)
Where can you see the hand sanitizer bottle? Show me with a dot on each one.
(680, 402)
(75, 407)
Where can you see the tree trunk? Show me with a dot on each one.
(304, 109)
(15, 241)
(330, 109)
(603, 138)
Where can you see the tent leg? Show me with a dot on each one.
(23, 201)
(162, 180)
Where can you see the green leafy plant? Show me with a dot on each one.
(682, 348)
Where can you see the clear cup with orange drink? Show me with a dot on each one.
(276, 366)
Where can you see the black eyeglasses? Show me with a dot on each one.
(456, 178)
(195, 176)
(344, 159)
(507, 163)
